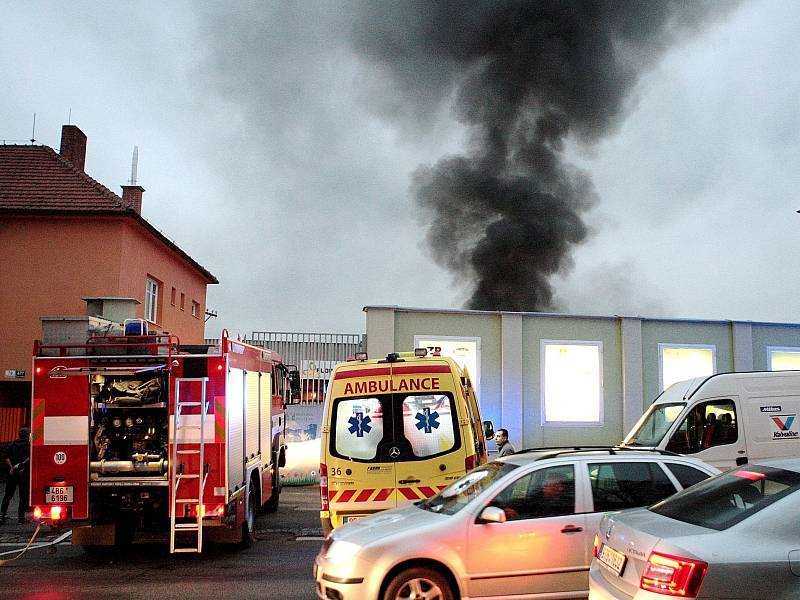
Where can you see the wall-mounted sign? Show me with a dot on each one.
(466, 351)
(14, 374)
(317, 369)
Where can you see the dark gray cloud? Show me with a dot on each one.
(526, 76)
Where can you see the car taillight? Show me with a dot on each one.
(323, 486)
(672, 575)
(37, 513)
(471, 462)
(56, 513)
(596, 547)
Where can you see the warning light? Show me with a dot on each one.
(38, 370)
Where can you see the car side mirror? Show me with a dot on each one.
(492, 514)
(488, 429)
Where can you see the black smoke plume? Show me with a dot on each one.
(525, 77)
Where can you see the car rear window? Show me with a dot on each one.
(722, 501)
(617, 485)
(687, 476)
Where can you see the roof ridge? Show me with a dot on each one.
(86, 177)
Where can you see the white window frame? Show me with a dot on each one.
(195, 308)
(476, 377)
(543, 384)
(771, 349)
(151, 300)
(665, 345)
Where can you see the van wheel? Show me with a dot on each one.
(419, 583)
(271, 505)
(249, 525)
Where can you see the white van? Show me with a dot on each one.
(726, 419)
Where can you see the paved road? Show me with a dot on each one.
(277, 566)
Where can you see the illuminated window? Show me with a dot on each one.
(151, 300)
(685, 361)
(783, 359)
(572, 390)
(466, 351)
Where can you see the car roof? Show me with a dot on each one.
(786, 463)
(531, 455)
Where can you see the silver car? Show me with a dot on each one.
(734, 536)
(519, 527)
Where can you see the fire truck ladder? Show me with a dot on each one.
(185, 446)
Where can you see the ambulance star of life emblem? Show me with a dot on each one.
(394, 452)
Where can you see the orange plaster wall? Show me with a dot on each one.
(49, 263)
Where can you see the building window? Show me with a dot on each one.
(183, 301)
(678, 362)
(466, 351)
(783, 359)
(172, 297)
(572, 390)
(151, 300)
(195, 309)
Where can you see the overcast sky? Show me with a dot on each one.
(279, 142)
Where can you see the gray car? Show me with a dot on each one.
(736, 536)
(519, 527)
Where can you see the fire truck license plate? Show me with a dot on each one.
(59, 494)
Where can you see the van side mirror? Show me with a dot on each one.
(492, 514)
(294, 385)
(488, 429)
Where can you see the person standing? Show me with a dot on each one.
(504, 447)
(18, 460)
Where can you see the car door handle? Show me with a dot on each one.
(571, 529)
(407, 481)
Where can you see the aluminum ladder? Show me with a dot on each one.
(180, 478)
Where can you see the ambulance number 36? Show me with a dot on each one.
(337, 472)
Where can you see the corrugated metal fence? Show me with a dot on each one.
(314, 354)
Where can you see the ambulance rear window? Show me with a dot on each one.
(359, 428)
(428, 424)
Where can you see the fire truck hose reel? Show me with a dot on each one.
(129, 466)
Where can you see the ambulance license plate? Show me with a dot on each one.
(58, 494)
(612, 559)
(350, 519)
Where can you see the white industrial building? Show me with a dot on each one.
(559, 379)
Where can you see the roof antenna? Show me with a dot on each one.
(134, 165)
(33, 131)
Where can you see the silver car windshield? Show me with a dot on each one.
(655, 424)
(456, 496)
(722, 501)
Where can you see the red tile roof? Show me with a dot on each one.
(37, 180)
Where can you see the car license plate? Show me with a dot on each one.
(350, 519)
(59, 494)
(612, 559)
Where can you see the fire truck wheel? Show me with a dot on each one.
(418, 582)
(249, 525)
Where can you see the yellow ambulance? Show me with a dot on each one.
(395, 430)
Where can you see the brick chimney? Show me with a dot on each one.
(132, 197)
(73, 146)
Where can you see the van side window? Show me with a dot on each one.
(428, 424)
(708, 424)
(620, 485)
(687, 476)
(358, 427)
(548, 492)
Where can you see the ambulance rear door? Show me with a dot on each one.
(428, 445)
(361, 480)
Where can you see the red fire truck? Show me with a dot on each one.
(138, 432)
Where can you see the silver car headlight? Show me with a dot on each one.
(340, 551)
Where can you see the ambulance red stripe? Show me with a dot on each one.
(427, 491)
(383, 494)
(409, 493)
(362, 373)
(364, 495)
(345, 496)
(421, 369)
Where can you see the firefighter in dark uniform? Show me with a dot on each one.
(18, 460)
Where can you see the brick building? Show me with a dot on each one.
(64, 237)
